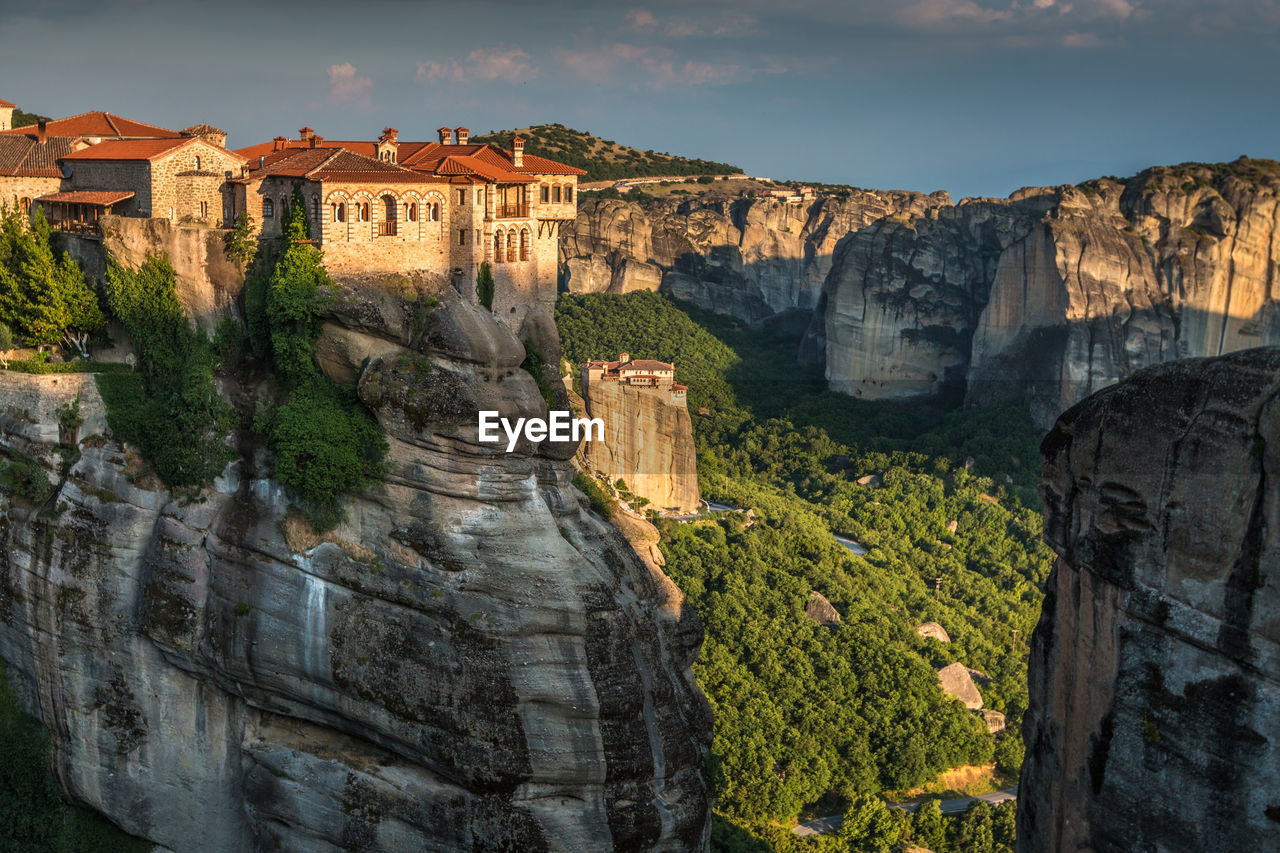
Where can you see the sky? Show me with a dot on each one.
(969, 96)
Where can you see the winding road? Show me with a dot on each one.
(952, 806)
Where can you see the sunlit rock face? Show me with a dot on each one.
(751, 258)
(471, 661)
(1155, 670)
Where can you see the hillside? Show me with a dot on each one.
(603, 159)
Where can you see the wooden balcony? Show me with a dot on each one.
(511, 211)
(386, 229)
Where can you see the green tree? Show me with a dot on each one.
(1004, 826)
(43, 296)
(869, 826)
(928, 828)
(6, 345)
(973, 832)
(240, 243)
(485, 285)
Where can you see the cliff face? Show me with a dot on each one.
(750, 258)
(1155, 671)
(1048, 295)
(470, 662)
(648, 442)
(1059, 292)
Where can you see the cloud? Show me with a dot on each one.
(655, 67)
(507, 63)
(935, 13)
(641, 19)
(346, 88)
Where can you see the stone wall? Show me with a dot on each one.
(13, 190)
(178, 188)
(125, 176)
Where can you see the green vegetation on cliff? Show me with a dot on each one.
(603, 159)
(169, 408)
(325, 443)
(808, 719)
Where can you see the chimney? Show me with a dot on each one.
(279, 143)
(262, 160)
(446, 135)
(388, 145)
(517, 151)
(316, 140)
(305, 133)
(41, 130)
(463, 133)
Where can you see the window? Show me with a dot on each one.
(435, 212)
(268, 208)
(568, 193)
(511, 245)
(462, 236)
(204, 210)
(411, 212)
(315, 208)
(26, 205)
(497, 247)
(555, 194)
(546, 194)
(362, 211)
(462, 196)
(197, 162)
(338, 212)
(524, 244)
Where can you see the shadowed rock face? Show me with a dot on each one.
(1155, 671)
(471, 661)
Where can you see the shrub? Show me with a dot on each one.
(43, 296)
(44, 366)
(180, 425)
(600, 502)
(26, 479)
(326, 445)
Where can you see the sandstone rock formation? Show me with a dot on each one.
(956, 681)
(751, 258)
(648, 443)
(1057, 292)
(1154, 721)
(471, 661)
(934, 630)
(1048, 295)
(820, 610)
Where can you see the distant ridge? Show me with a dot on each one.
(603, 159)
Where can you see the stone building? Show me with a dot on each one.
(441, 207)
(641, 374)
(182, 179)
(6, 114)
(29, 167)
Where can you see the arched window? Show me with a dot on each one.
(524, 244)
(411, 212)
(387, 227)
(338, 212)
(497, 247)
(435, 212)
(25, 204)
(555, 194)
(546, 194)
(362, 211)
(511, 246)
(268, 208)
(197, 162)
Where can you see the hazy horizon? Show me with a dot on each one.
(976, 98)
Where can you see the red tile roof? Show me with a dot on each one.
(94, 197)
(130, 149)
(331, 163)
(480, 159)
(200, 129)
(22, 156)
(98, 123)
(4, 103)
(645, 364)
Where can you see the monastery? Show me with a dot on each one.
(438, 208)
(640, 374)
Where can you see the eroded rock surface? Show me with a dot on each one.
(1155, 670)
(471, 661)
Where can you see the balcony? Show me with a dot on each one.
(511, 211)
(386, 229)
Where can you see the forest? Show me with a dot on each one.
(813, 720)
